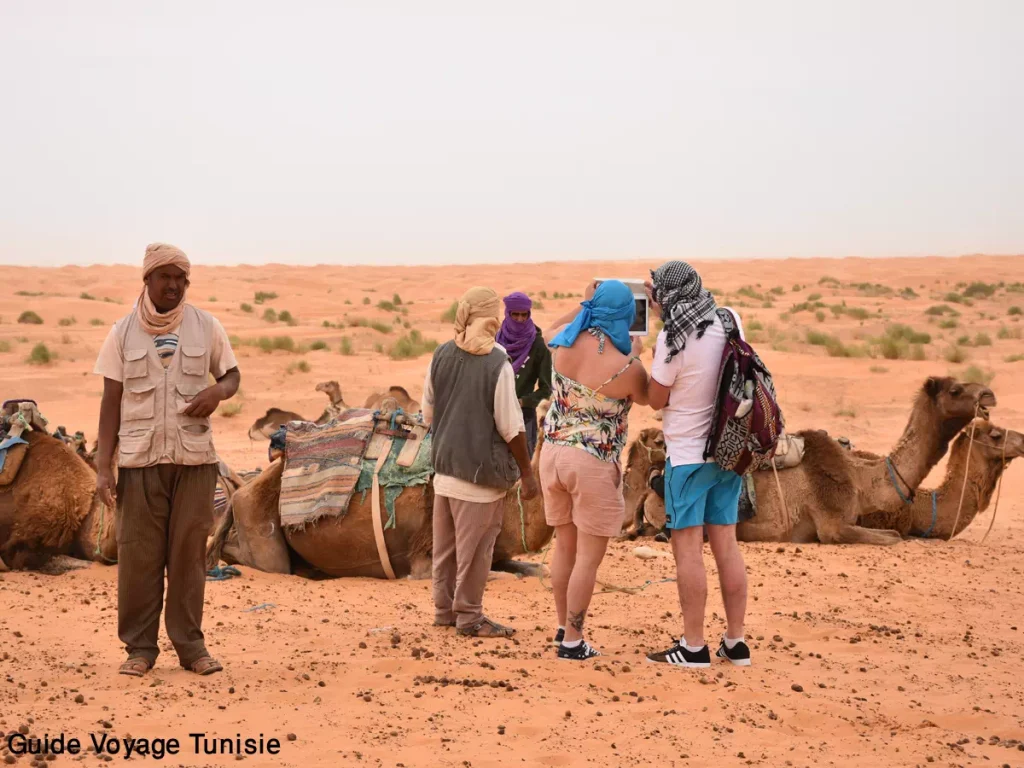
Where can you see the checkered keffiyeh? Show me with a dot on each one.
(685, 305)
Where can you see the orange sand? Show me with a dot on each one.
(905, 655)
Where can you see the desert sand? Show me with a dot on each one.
(900, 656)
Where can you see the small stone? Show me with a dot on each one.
(291, 737)
(79, 699)
(797, 687)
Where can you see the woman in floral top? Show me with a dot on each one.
(596, 378)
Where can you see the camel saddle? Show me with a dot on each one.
(16, 418)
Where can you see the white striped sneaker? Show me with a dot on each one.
(678, 656)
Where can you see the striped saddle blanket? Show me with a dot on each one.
(322, 464)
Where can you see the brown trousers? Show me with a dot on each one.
(464, 536)
(164, 515)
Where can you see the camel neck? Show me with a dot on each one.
(923, 443)
(981, 482)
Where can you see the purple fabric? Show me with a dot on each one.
(517, 338)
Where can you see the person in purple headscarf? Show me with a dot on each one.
(531, 359)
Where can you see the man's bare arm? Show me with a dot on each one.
(106, 440)
(522, 456)
(206, 402)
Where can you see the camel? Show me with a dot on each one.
(251, 534)
(641, 503)
(275, 418)
(399, 395)
(833, 487)
(51, 509)
(932, 514)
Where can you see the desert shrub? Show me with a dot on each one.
(941, 309)
(1011, 359)
(262, 296)
(246, 307)
(807, 306)
(956, 298)
(318, 344)
(378, 347)
(819, 316)
(95, 321)
(982, 340)
(879, 369)
(955, 354)
(28, 317)
(833, 346)
(1015, 288)
(230, 410)
(908, 293)
(40, 355)
(86, 296)
(346, 347)
(411, 345)
(386, 306)
(381, 327)
(396, 300)
(754, 325)
(28, 293)
(906, 333)
(828, 280)
(872, 289)
(348, 301)
(975, 375)
(64, 322)
(1014, 311)
(814, 297)
(778, 290)
(5, 347)
(366, 300)
(1009, 333)
(286, 317)
(949, 323)
(979, 290)
(270, 315)
(750, 293)
(448, 316)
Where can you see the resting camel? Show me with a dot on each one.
(346, 546)
(275, 418)
(51, 519)
(645, 453)
(834, 487)
(932, 514)
(51, 508)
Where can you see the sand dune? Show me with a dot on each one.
(901, 656)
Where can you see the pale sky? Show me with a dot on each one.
(442, 132)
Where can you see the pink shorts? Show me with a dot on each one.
(581, 489)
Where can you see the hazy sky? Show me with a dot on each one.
(351, 132)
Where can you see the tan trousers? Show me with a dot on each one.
(464, 536)
(164, 515)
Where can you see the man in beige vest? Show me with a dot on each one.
(157, 402)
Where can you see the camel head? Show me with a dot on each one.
(331, 389)
(992, 442)
(648, 448)
(957, 402)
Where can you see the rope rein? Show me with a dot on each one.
(967, 467)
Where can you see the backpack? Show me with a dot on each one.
(747, 421)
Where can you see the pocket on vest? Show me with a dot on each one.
(193, 361)
(134, 442)
(136, 364)
(185, 393)
(195, 445)
(138, 400)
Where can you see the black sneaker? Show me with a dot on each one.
(559, 637)
(581, 652)
(739, 654)
(678, 656)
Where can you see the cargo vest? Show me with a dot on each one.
(466, 442)
(154, 429)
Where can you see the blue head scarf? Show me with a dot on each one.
(612, 309)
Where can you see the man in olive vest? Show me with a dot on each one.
(479, 453)
(156, 408)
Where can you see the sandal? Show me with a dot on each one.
(486, 628)
(204, 665)
(136, 666)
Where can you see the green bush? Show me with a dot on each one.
(86, 296)
(246, 307)
(28, 317)
(827, 280)
(381, 327)
(286, 317)
(64, 322)
(411, 346)
(978, 290)
(941, 309)
(346, 347)
(366, 299)
(262, 296)
(5, 347)
(40, 355)
(976, 375)
(28, 293)
(448, 316)
(1015, 311)
(982, 340)
(318, 344)
(750, 293)
(1009, 333)
(95, 321)
(955, 354)
(949, 323)
(814, 297)
(396, 300)
(270, 315)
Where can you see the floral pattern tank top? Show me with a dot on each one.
(581, 417)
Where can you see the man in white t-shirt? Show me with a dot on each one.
(698, 493)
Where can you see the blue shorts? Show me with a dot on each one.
(700, 494)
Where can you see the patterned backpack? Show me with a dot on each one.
(748, 421)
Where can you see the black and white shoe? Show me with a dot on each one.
(678, 656)
(581, 652)
(739, 654)
(559, 637)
